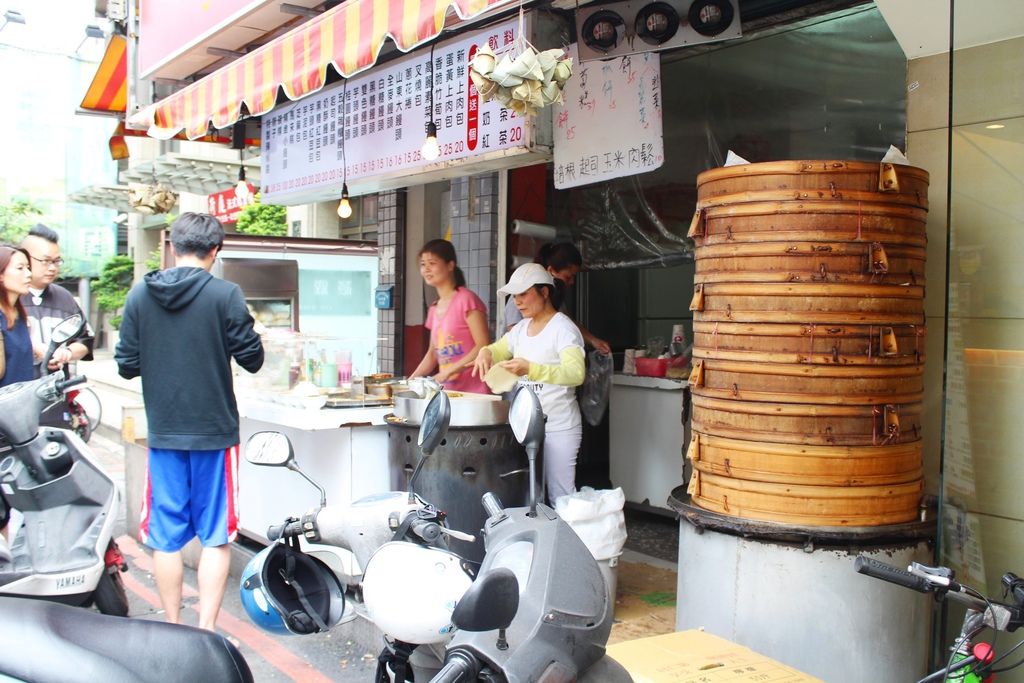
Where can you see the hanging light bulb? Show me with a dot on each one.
(242, 188)
(430, 149)
(344, 207)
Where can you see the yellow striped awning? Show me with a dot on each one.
(109, 88)
(349, 37)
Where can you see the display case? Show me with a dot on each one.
(272, 312)
(291, 358)
(270, 286)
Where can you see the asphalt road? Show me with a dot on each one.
(333, 656)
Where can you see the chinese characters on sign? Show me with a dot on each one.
(610, 125)
(225, 206)
(381, 117)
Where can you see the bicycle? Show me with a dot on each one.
(970, 661)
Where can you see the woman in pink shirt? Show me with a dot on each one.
(457, 322)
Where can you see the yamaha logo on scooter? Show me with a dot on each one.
(68, 582)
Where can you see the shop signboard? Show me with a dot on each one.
(381, 117)
(225, 206)
(611, 123)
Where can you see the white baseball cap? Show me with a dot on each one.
(527, 276)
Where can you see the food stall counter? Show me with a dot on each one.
(647, 435)
(344, 449)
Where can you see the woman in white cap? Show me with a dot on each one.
(545, 350)
(564, 261)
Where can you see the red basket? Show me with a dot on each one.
(651, 367)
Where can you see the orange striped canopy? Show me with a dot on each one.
(109, 88)
(349, 37)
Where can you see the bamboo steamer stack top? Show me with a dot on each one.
(808, 354)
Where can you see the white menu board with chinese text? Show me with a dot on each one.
(610, 125)
(382, 116)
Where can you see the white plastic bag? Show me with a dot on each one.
(597, 518)
(597, 386)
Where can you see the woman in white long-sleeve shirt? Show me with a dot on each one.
(546, 350)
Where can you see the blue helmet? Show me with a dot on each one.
(284, 591)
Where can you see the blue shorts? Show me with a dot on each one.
(188, 494)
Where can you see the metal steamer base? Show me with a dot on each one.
(471, 461)
(791, 593)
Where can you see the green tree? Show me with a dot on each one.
(16, 219)
(262, 219)
(112, 286)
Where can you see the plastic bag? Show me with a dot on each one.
(597, 518)
(597, 386)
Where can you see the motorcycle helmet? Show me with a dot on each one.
(284, 591)
(410, 591)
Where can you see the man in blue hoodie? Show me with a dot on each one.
(179, 331)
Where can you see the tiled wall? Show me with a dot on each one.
(391, 242)
(474, 228)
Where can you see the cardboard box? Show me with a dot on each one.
(699, 657)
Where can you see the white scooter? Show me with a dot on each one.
(62, 550)
(538, 609)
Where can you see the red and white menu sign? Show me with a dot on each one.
(382, 117)
(225, 206)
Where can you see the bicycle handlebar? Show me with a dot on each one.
(880, 570)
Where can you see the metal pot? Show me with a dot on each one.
(468, 410)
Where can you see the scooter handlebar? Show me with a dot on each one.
(459, 666)
(286, 530)
(63, 385)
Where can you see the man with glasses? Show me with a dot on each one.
(47, 304)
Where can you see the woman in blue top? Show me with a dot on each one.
(16, 352)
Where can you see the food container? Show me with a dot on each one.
(651, 367)
(468, 410)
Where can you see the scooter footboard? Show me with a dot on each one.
(65, 517)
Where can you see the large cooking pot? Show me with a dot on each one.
(468, 410)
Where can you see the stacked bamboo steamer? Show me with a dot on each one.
(808, 346)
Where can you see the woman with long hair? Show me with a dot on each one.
(457, 321)
(564, 262)
(16, 350)
(15, 278)
(545, 350)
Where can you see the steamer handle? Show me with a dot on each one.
(887, 572)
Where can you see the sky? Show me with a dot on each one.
(47, 151)
(53, 26)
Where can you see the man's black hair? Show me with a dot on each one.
(195, 234)
(45, 232)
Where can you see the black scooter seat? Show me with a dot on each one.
(45, 642)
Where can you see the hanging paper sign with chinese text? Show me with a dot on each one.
(381, 117)
(610, 125)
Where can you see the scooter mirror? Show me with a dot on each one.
(63, 331)
(434, 424)
(490, 603)
(272, 449)
(66, 329)
(526, 418)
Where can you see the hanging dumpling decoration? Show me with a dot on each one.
(151, 199)
(522, 79)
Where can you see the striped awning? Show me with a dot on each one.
(349, 37)
(108, 91)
